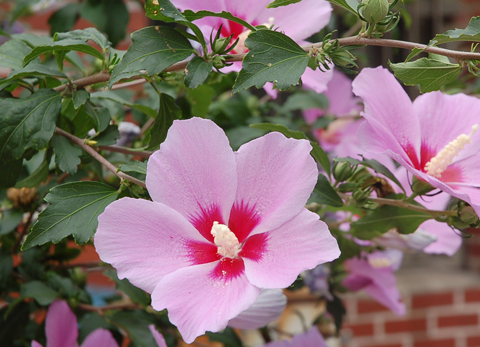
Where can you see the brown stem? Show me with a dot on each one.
(22, 233)
(86, 81)
(125, 150)
(92, 264)
(119, 306)
(112, 168)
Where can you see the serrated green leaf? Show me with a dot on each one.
(415, 51)
(470, 33)
(108, 137)
(37, 290)
(197, 72)
(349, 5)
(273, 57)
(163, 10)
(168, 112)
(33, 40)
(200, 99)
(306, 99)
(388, 217)
(86, 35)
(67, 155)
(12, 53)
(28, 123)
(11, 170)
(136, 294)
(10, 220)
(80, 97)
(111, 95)
(34, 70)
(73, 210)
(153, 49)
(278, 3)
(430, 74)
(60, 46)
(326, 194)
(100, 115)
(138, 167)
(64, 18)
(36, 178)
(191, 16)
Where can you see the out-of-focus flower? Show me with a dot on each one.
(222, 225)
(374, 274)
(317, 280)
(255, 12)
(312, 338)
(16, 28)
(62, 331)
(128, 132)
(435, 137)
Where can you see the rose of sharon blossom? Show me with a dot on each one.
(436, 137)
(312, 338)
(61, 330)
(222, 225)
(255, 12)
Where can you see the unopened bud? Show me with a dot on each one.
(361, 196)
(420, 187)
(468, 215)
(342, 171)
(220, 44)
(218, 61)
(374, 11)
(347, 187)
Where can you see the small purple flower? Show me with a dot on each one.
(312, 338)
(317, 280)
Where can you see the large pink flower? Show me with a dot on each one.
(435, 137)
(222, 225)
(256, 13)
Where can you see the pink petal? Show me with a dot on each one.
(194, 172)
(35, 344)
(194, 5)
(276, 176)
(312, 338)
(99, 338)
(389, 113)
(204, 297)
(448, 240)
(61, 325)
(147, 240)
(159, 339)
(340, 96)
(316, 79)
(268, 307)
(298, 245)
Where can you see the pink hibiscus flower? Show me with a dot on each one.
(435, 137)
(62, 331)
(312, 338)
(221, 226)
(256, 12)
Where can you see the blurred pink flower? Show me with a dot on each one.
(62, 331)
(222, 225)
(312, 338)
(435, 137)
(255, 12)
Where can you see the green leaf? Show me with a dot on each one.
(100, 115)
(388, 217)
(33, 40)
(73, 210)
(136, 324)
(6, 267)
(317, 152)
(163, 10)
(228, 337)
(470, 33)
(28, 123)
(278, 3)
(64, 18)
(80, 97)
(36, 178)
(136, 294)
(326, 194)
(36, 70)
(14, 320)
(108, 137)
(12, 53)
(306, 99)
(168, 112)
(200, 99)
(153, 49)
(63, 46)
(349, 5)
(135, 167)
(10, 220)
(191, 16)
(67, 155)
(375, 165)
(430, 74)
(11, 170)
(86, 35)
(273, 57)
(37, 290)
(112, 95)
(197, 72)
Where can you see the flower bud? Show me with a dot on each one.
(347, 187)
(220, 44)
(342, 171)
(361, 196)
(420, 187)
(218, 61)
(468, 215)
(374, 11)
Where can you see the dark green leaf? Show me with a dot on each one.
(387, 217)
(10, 220)
(304, 100)
(321, 157)
(136, 294)
(6, 267)
(200, 99)
(349, 5)
(100, 115)
(10, 172)
(108, 137)
(74, 208)
(326, 194)
(169, 111)
(35, 70)
(86, 35)
(191, 16)
(60, 46)
(197, 72)
(430, 74)
(33, 40)
(67, 155)
(90, 322)
(153, 49)
(273, 57)
(13, 322)
(135, 167)
(227, 337)
(136, 323)
(337, 311)
(28, 123)
(80, 97)
(64, 18)
(37, 290)
(163, 10)
(12, 53)
(470, 33)
(278, 3)
(36, 178)
(111, 95)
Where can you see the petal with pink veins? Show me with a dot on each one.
(205, 297)
(35, 344)
(298, 245)
(276, 176)
(316, 80)
(147, 240)
(61, 325)
(99, 338)
(194, 172)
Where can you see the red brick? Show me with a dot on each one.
(408, 325)
(435, 343)
(457, 320)
(473, 341)
(369, 306)
(472, 295)
(434, 299)
(360, 329)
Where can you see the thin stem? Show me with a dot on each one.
(86, 81)
(112, 168)
(126, 150)
(119, 306)
(22, 232)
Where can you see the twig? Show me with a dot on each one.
(119, 306)
(112, 168)
(86, 81)
(22, 233)
(126, 150)
(92, 264)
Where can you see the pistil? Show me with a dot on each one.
(225, 240)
